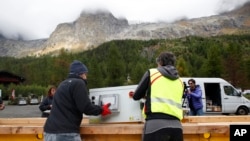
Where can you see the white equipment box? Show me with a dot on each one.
(123, 107)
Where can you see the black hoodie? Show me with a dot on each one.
(70, 102)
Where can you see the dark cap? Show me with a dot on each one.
(77, 67)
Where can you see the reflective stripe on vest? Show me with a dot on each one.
(166, 94)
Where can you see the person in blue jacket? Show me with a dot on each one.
(194, 97)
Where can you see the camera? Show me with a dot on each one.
(185, 87)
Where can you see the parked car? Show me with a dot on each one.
(246, 92)
(22, 101)
(34, 101)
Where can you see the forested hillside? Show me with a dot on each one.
(123, 62)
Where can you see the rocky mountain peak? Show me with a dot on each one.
(89, 30)
(100, 24)
(101, 16)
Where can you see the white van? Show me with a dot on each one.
(219, 96)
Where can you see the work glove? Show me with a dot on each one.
(105, 109)
(131, 94)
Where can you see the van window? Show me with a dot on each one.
(229, 90)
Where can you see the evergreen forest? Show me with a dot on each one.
(123, 62)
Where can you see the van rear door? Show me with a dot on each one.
(213, 97)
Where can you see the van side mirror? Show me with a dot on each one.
(239, 94)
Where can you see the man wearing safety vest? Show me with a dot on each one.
(162, 89)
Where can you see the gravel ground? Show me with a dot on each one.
(16, 111)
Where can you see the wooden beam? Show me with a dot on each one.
(194, 128)
(211, 119)
(22, 121)
(188, 128)
(29, 121)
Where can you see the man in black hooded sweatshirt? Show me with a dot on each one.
(162, 90)
(70, 102)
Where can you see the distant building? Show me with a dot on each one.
(7, 78)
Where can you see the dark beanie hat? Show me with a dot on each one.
(77, 67)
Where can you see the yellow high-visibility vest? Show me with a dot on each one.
(166, 94)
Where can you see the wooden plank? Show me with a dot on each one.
(206, 128)
(206, 119)
(112, 129)
(188, 128)
(194, 128)
(187, 119)
(121, 132)
(12, 129)
(22, 121)
(187, 137)
(29, 121)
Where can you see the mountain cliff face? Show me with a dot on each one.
(88, 31)
(93, 29)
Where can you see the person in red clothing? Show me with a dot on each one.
(70, 102)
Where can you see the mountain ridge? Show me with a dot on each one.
(93, 29)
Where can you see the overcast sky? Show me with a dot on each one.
(37, 19)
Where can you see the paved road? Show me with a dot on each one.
(15, 111)
(26, 111)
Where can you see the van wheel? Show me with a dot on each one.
(242, 111)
